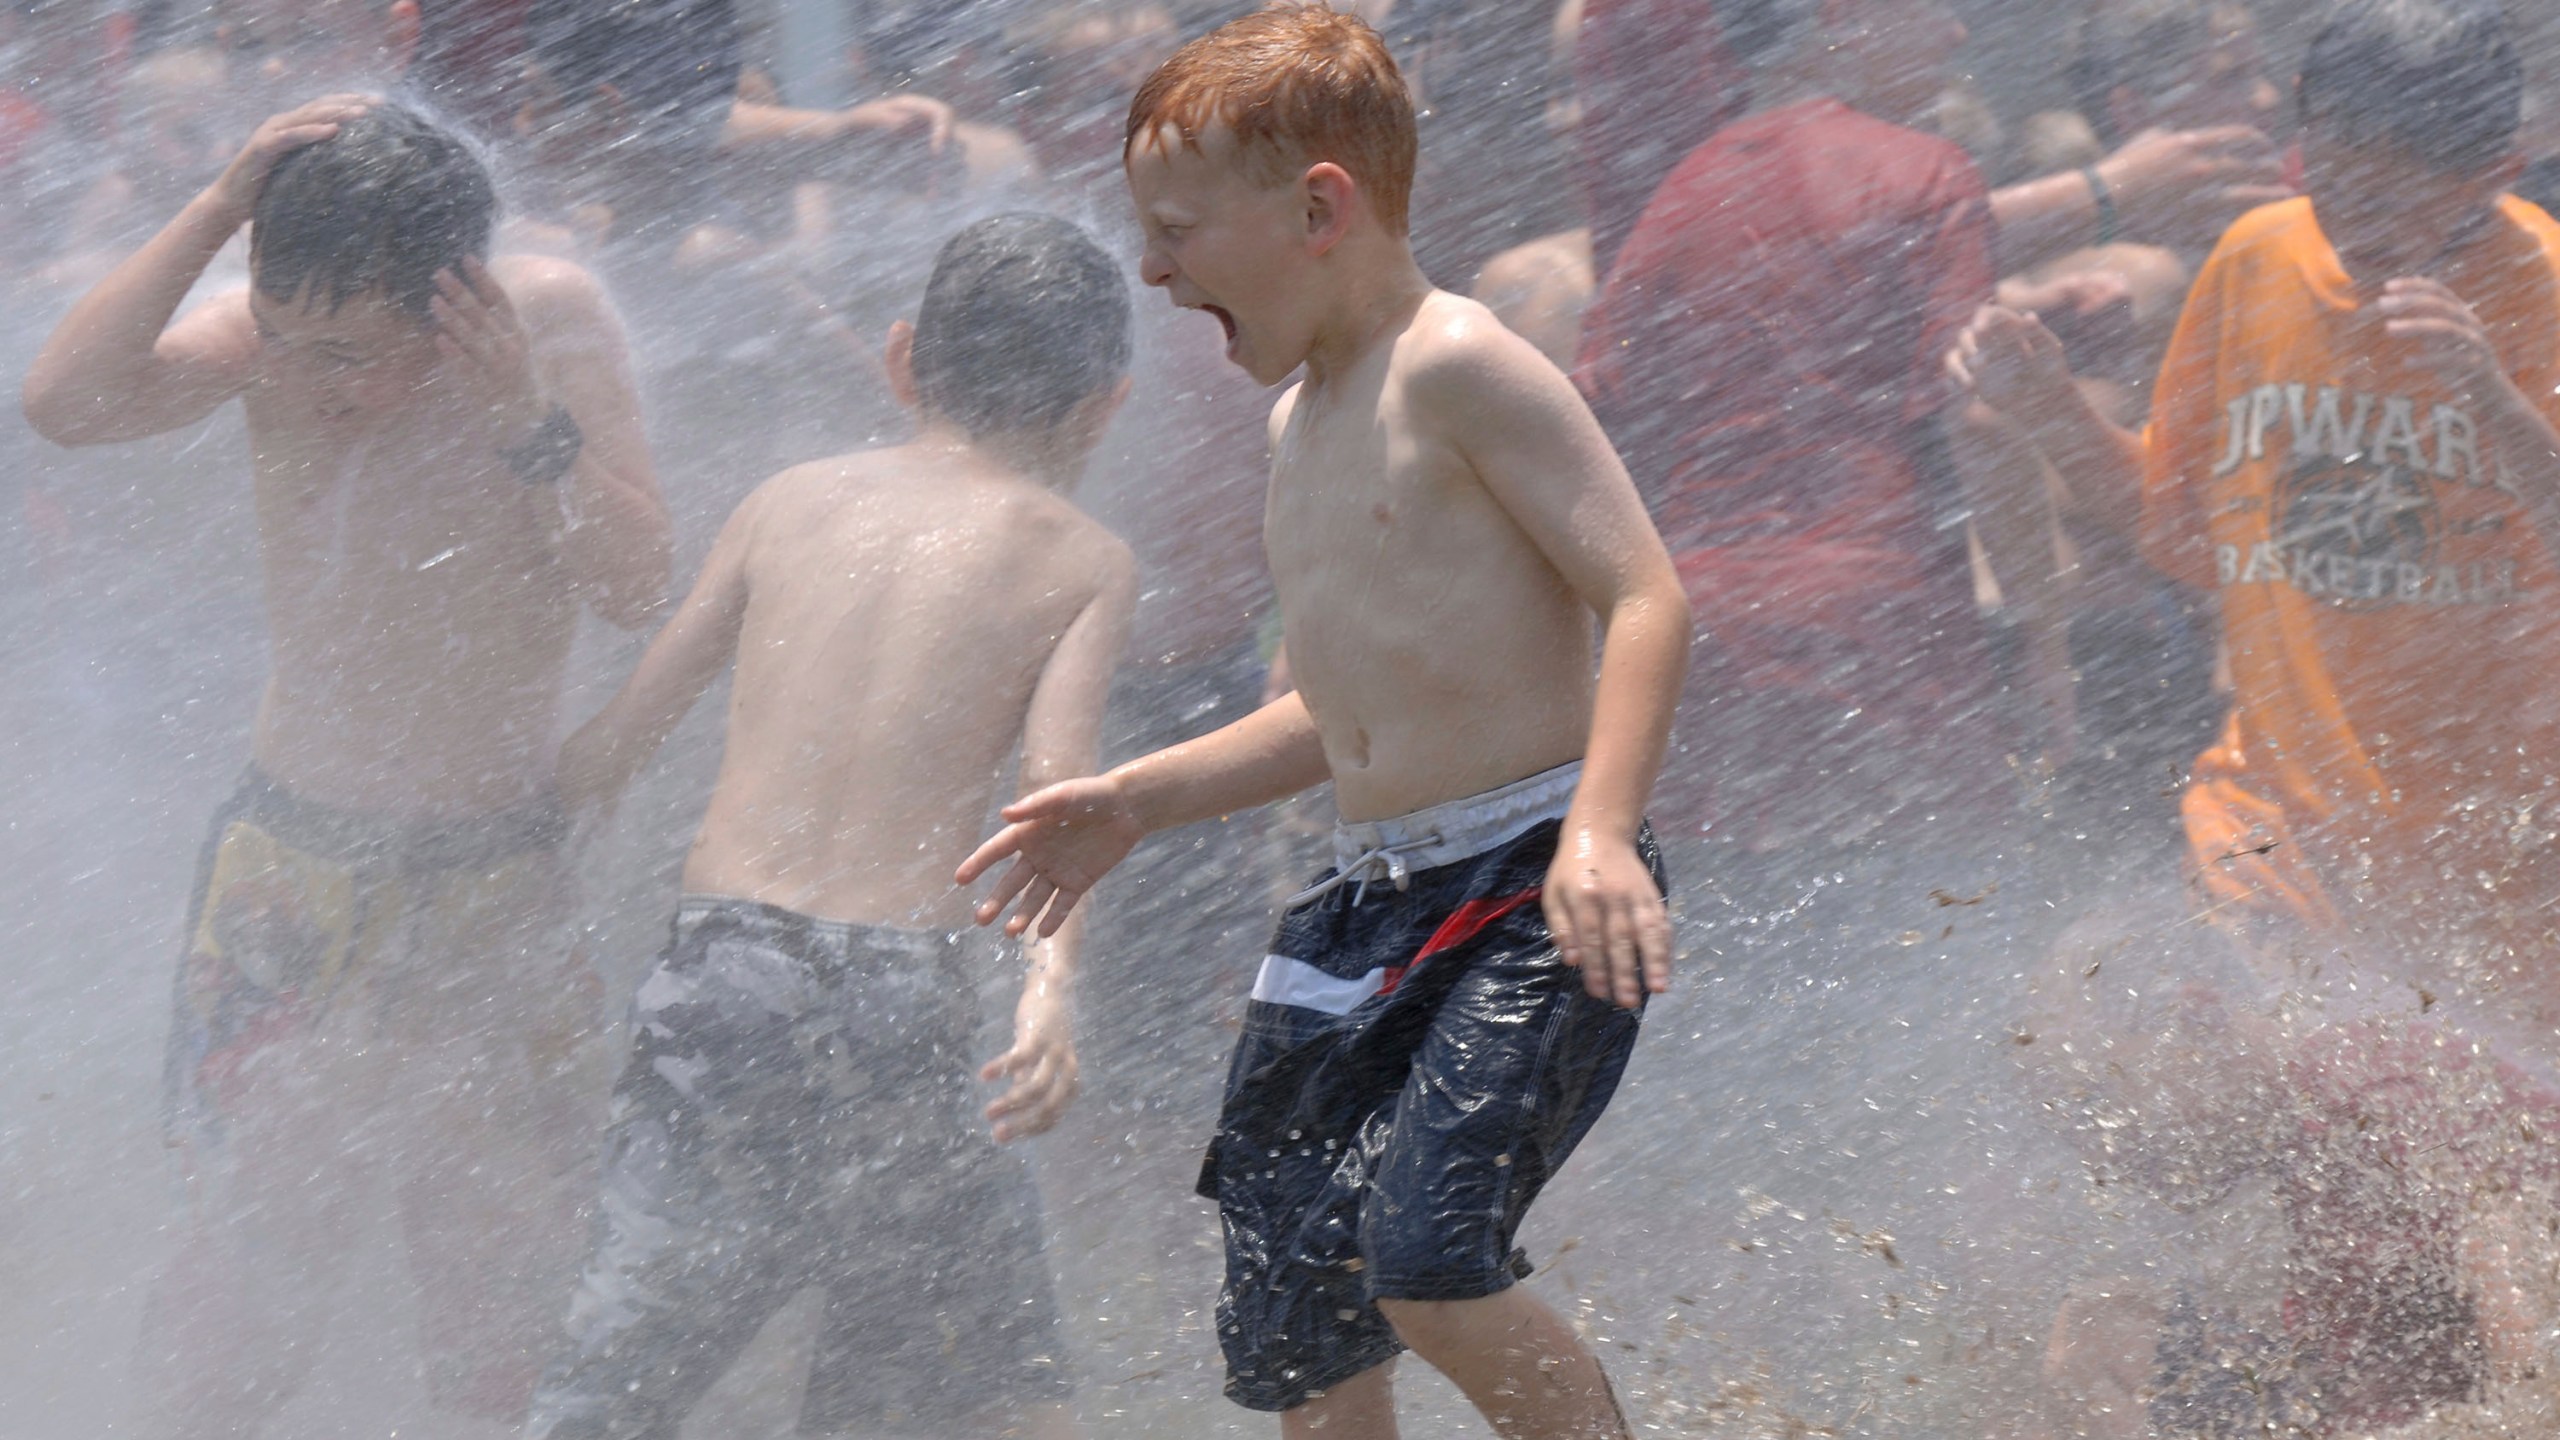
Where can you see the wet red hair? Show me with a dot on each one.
(1300, 83)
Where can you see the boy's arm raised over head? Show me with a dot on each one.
(115, 369)
(1524, 430)
(1061, 740)
(597, 762)
(615, 537)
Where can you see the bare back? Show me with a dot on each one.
(1440, 650)
(903, 610)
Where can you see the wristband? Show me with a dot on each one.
(542, 457)
(2109, 222)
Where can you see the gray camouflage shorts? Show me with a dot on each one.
(798, 1111)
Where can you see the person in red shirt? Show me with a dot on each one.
(1766, 356)
(1654, 80)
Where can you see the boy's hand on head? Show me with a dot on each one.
(276, 137)
(1041, 1065)
(485, 350)
(1062, 840)
(1608, 916)
(2009, 359)
(2447, 334)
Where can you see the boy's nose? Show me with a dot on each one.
(1154, 268)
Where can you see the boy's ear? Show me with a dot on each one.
(1330, 196)
(898, 358)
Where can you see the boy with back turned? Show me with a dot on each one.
(1444, 521)
(797, 1109)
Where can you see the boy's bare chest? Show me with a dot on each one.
(1348, 489)
(396, 511)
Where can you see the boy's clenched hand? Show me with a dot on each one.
(276, 137)
(2448, 334)
(1608, 916)
(1062, 839)
(2009, 359)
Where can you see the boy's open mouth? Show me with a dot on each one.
(1226, 321)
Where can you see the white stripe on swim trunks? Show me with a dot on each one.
(1295, 983)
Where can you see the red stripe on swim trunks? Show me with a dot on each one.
(1464, 924)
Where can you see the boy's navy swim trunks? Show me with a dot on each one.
(1416, 1063)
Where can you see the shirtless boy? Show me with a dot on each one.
(1443, 523)
(378, 983)
(797, 1107)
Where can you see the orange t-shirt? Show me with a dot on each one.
(2392, 616)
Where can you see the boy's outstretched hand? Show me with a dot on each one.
(1608, 917)
(276, 137)
(1041, 1064)
(1062, 840)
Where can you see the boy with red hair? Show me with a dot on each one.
(1445, 519)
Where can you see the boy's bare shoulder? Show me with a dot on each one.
(805, 497)
(224, 316)
(1058, 521)
(552, 293)
(1458, 360)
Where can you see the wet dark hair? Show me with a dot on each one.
(384, 204)
(2440, 78)
(2139, 43)
(675, 62)
(1024, 317)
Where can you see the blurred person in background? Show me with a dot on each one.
(1765, 355)
(61, 62)
(2120, 659)
(1493, 174)
(1540, 288)
(179, 127)
(637, 154)
(2538, 34)
(2352, 447)
(1655, 78)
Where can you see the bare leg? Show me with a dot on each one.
(1360, 1408)
(231, 1332)
(1517, 1361)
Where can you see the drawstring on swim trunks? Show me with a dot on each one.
(1376, 862)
